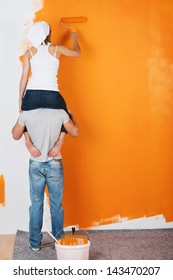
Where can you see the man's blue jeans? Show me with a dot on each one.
(48, 173)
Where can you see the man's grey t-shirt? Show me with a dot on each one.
(44, 128)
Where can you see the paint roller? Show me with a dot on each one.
(65, 21)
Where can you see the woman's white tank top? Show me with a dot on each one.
(44, 69)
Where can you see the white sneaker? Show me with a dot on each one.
(34, 249)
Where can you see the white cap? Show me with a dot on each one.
(38, 33)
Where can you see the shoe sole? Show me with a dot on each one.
(34, 249)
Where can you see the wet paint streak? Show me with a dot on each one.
(2, 190)
(47, 195)
(121, 164)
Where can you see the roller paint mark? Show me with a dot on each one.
(2, 190)
(47, 195)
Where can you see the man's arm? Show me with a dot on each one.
(71, 126)
(17, 131)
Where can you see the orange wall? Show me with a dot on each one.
(121, 91)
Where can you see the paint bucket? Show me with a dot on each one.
(73, 246)
(74, 252)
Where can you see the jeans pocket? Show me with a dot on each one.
(34, 171)
(56, 170)
(31, 100)
(54, 100)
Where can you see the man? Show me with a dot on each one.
(44, 127)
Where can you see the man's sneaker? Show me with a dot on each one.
(34, 249)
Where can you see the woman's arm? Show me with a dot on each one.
(24, 77)
(74, 52)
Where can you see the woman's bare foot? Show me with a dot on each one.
(56, 149)
(32, 149)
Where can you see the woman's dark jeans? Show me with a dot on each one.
(35, 99)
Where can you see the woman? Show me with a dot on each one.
(41, 89)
